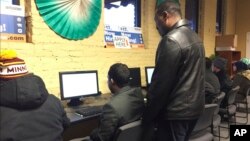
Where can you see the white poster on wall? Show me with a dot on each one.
(248, 45)
(5, 2)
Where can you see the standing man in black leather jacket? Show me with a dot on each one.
(176, 94)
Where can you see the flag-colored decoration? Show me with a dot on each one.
(71, 19)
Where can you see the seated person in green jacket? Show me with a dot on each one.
(125, 106)
(27, 111)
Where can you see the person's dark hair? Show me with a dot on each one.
(208, 63)
(120, 74)
(169, 6)
(240, 66)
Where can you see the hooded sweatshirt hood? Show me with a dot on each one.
(25, 92)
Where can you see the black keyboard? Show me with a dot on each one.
(91, 111)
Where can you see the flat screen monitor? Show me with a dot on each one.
(135, 77)
(149, 72)
(78, 84)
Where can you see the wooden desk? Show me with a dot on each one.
(81, 127)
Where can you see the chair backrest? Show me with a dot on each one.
(232, 94)
(205, 120)
(243, 82)
(248, 91)
(218, 100)
(129, 132)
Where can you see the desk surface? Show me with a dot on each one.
(89, 101)
(80, 126)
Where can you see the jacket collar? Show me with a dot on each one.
(122, 90)
(180, 23)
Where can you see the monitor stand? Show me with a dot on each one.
(74, 102)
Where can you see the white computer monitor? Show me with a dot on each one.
(78, 84)
(149, 72)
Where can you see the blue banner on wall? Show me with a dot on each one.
(12, 23)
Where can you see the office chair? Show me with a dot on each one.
(242, 99)
(230, 110)
(201, 132)
(129, 132)
(216, 117)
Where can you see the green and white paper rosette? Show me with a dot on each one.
(71, 19)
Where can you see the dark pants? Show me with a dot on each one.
(175, 130)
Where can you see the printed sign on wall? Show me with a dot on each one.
(12, 23)
(114, 33)
(121, 42)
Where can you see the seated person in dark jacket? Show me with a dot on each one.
(125, 106)
(219, 65)
(212, 84)
(246, 61)
(27, 111)
(242, 79)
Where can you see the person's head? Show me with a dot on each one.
(118, 77)
(219, 64)
(208, 63)
(167, 14)
(11, 66)
(240, 66)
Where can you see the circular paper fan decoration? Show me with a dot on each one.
(71, 19)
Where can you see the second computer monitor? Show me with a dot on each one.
(149, 72)
(135, 77)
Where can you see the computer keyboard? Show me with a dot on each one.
(90, 111)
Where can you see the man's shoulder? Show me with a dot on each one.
(123, 97)
(184, 36)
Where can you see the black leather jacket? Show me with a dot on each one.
(177, 86)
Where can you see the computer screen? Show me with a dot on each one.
(149, 72)
(77, 84)
(135, 77)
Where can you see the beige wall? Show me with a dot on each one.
(242, 25)
(237, 19)
(229, 17)
(207, 18)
